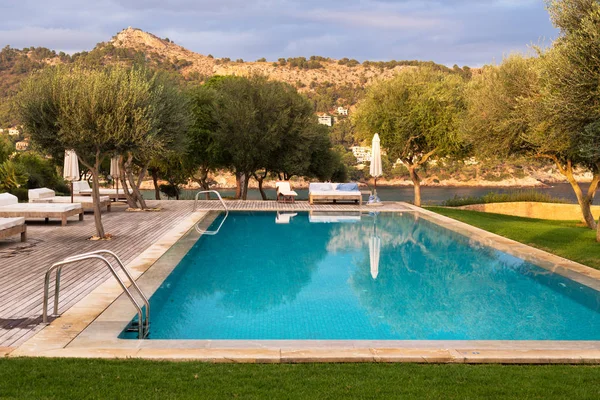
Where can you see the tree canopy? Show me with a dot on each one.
(417, 115)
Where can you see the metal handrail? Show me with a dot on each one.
(142, 326)
(211, 233)
(209, 191)
(125, 270)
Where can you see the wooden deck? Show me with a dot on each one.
(23, 265)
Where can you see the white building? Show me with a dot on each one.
(13, 132)
(326, 120)
(342, 111)
(362, 154)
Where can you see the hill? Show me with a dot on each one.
(327, 82)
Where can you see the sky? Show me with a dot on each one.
(463, 32)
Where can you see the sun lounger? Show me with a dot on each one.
(285, 192)
(334, 192)
(13, 226)
(82, 188)
(45, 195)
(10, 208)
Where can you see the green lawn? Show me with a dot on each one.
(137, 379)
(568, 239)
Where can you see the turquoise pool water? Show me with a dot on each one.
(389, 276)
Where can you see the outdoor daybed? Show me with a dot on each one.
(45, 195)
(13, 226)
(334, 192)
(82, 188)
(10, 208)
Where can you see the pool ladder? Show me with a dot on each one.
(214, 232)
(143, 323)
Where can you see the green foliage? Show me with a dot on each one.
(303, 63)
(6, 148)
(262, 59)
(416, 113)
(327, 96)
(12, 176)
(517, 196)
(42, 172)
(348, 62)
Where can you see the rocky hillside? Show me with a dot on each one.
(322, 70)
(327, 82)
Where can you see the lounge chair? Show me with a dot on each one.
(284, 218)
(285, 192)
(13, 226)
(10, 208)
(45, 195)
(82, 188)
(334, 192)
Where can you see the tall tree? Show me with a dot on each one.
(417, 115)
(91, 111)
(171, 119)
(571, 94)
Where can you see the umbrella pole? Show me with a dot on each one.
(71, 191)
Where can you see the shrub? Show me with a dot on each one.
(517, 196)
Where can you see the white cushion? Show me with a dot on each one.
(8, 199)
(81, 187)
(42, 193)
(77, 199)
(320, 187)
(335, 193)
(41, 207)
(6, 223)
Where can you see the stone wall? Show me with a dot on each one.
(554, 211)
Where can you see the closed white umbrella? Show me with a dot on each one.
(376, 169)
(114, 170)
(71, 168)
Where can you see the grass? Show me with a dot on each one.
(568, 239)
(518, 196)
(30, 378)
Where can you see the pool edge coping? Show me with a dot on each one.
(62, 338)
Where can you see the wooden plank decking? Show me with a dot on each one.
(23, 265)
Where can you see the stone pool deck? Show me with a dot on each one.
(91, 299)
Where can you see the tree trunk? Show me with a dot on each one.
(414, 177)
(154, 173)
(96, 195)
(246, 181)
(260, 179)
(585, 200)
(137, 190)
(131, 203)
(238, 185)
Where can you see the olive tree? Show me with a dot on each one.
(417, 115)
(91, 111)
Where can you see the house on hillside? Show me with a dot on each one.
(14, 131)
(342, 111)
(326, 120)
(362, 154)
(23, 145)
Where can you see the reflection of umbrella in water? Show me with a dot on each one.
(374, 250)
(71, 168)
(114, 171)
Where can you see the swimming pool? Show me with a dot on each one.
(386, 276)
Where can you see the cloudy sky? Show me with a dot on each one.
(464, 32)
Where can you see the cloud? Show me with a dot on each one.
(446, 31)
